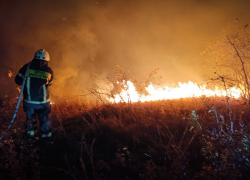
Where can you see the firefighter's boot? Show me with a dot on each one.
(30, 130)
(46, 137)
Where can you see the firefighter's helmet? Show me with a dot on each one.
(42, 54)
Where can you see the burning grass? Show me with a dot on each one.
(170, 139)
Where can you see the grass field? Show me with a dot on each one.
(172, 139)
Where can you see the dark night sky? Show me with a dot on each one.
(87, 38)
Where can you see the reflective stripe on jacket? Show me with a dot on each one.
(37, 82)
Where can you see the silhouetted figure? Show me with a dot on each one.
(36, 95)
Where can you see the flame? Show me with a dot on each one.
(19, 89)
(183, 90)
(10, 74)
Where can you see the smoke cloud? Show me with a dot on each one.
(87, 38)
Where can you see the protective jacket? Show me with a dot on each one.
(38, 79)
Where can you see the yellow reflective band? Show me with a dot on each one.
(28, 87)
(49, 134)
(46, 135)
(39, 74)
(44, 93)
(37, 102)
(31, 133)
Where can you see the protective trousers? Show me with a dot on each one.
(43, 113)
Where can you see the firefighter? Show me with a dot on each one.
(36, 100)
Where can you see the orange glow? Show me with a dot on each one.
(10, 74)
(183, 90)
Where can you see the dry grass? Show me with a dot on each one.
(154, 140)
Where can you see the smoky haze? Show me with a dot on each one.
(86, 38)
